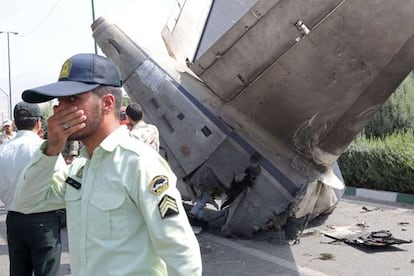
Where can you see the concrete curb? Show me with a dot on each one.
(380, 195)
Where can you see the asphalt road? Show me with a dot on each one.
(315, 255)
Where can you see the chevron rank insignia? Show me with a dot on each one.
(168, 207)
(159, 184)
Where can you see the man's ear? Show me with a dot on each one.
(38, 125)
(108, 103)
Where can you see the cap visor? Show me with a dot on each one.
(55, 90)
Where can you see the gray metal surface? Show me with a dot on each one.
(188, 135)
(255, 42)
(223, 15)
(185, 111)
(184, 29)
(318, 92)
(295, 94)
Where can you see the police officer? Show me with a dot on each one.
(124, 212)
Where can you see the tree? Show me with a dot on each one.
(396, 115)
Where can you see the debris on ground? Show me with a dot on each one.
(326, 256)
(369, 209)
(357, 235)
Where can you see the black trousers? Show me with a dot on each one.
(34, 243)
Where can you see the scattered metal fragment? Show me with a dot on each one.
(366, 209)
(370, 239)
(362, 224)
(310, 233)
(326, 256)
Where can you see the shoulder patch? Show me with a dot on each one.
(80, 172)
(159, 184)
(168, 207)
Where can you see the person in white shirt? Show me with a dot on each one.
(8, 132)
(33, 239)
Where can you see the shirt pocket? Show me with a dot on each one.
(73, 206)
(107, 218)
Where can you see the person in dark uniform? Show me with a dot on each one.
(33, 239)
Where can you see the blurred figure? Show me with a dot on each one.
(147, 133)
(42, 133)
(122, 116)
(33, 239)
(71, 151)
(8, 132)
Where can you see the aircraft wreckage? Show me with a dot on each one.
(257, 99)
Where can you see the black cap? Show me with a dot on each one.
(79, 74)
(26, 110)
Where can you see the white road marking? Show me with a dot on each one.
(264, 256)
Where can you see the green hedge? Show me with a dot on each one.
(382, 164)
(397, 113)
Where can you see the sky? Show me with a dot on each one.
(50, 31)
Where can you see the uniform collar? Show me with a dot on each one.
(140, 124)
(26, 133)
(110, 142)
(114, 139)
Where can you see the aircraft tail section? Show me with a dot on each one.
(310, 73)
(272, 95)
